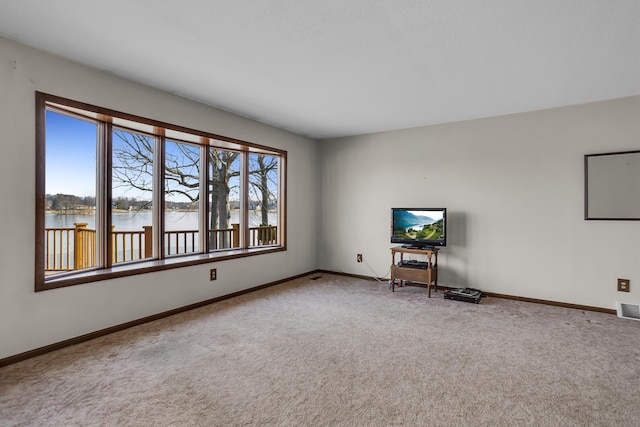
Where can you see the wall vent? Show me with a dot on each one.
(628, 311)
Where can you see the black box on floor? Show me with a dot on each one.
(463, 294)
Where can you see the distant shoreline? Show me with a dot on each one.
(92, 210)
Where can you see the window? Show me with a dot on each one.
(263, 199)
(119, 195)
(70, 199)
(132, 202)
(224, 198)
(181, 198)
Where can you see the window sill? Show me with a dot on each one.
(143, 267)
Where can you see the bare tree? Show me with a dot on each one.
(263, 180)
(133, 168)
(133, 161)
(181, 172)
(222, 170)
(63, 203)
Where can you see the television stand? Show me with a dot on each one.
(426, 248)
(415, 271)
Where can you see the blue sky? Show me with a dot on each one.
(71, 155)
(71, 160)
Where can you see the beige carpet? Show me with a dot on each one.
(338, 351)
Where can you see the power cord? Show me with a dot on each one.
(375, 275)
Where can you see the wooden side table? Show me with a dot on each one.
(421, 271)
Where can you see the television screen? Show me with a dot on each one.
(419, 227)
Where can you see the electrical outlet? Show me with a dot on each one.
(213, 274)
(623, 285)
(359, 257)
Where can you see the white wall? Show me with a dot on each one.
(514, 188)
(29, 320)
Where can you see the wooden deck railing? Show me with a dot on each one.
(181, 241)
(57, 254)
(85, 241)
(74, 248)
(263, 235)
(131, 245)
(225, 238)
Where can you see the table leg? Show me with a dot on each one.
(393, 280)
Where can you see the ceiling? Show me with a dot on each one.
(332, 68)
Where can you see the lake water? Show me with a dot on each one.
(134, 221)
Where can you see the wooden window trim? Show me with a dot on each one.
(144, 267)
(106, 271)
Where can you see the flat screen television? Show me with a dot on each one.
(419, 227)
